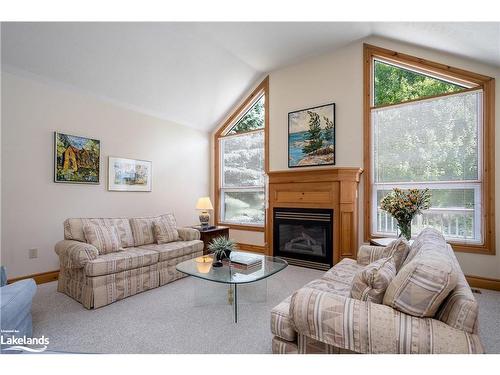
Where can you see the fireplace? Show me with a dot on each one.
(303, 236)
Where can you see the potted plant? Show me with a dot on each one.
(221, 248)
(403, 205)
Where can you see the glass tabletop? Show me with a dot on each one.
(202, 268)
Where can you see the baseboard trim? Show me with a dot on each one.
(40, 278)
(483, 282)
(251, 248)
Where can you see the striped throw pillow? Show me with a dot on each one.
(164, 230)
(421, 286)
(370, 283)
(104, 237)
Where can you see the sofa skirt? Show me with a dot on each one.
(95, 292)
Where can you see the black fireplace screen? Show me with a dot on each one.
(304, 234)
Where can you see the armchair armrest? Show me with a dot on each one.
(75, 254)
(368, 254)
(367, 327)
(188, 234)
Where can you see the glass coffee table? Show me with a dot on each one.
(202, 268)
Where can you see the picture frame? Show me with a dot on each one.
(311, 136)
(129, 174)
(77, 159)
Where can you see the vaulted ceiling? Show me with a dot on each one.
(193, 73)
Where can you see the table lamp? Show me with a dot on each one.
(204, 205)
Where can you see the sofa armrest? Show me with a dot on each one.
(367, 327)
(75, 254)
(188, 234)
(368, 254)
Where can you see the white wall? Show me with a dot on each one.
(338, 77)
(34, 207)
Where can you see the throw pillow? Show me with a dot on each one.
(164, 230)
(397, 249)
(370, 283)
(421, 286)
(104, 237)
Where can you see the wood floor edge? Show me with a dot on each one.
(483, 282)
(40, 278)
(252, 248)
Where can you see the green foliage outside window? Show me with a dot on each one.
(395, 85)
(252, 120)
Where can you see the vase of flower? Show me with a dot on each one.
(404, 205)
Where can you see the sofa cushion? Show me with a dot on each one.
(328, 285)
(127, 259)
(460, 309)
(343, 272)
(164, 230)
(176, 249)
(281, 324)
(428, 239)
(421, 285)
(371, 282)
(398, 250)
(103, 237)
(73, 229)
(142, 228)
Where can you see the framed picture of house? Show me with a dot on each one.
(76, 159)
(129, 174)
(311, 136)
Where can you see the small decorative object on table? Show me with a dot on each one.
(404, 205)
(204, 205)
(221, 247)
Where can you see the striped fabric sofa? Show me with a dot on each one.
(96, 280)
(321, 317)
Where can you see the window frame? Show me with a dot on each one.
(236, 115)
(472, 81)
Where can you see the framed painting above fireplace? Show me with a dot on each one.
(311, 136)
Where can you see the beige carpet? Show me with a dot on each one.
(171, 319)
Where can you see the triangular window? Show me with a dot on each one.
(253, 119)
(394, 85)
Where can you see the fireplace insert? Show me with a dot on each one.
(303, 236)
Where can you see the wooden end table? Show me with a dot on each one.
(207, 235)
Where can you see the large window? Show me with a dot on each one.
(241, 165)
(426, 126)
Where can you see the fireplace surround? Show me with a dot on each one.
(332, 189)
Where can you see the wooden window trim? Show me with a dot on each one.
(263, 87)
(487, 84)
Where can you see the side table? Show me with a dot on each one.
(207, 235)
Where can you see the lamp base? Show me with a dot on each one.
(204, 219)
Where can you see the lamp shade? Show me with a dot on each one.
(204, 204)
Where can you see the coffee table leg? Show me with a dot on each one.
(236, 303)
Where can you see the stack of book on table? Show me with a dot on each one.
(244, 262)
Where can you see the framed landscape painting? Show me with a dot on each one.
(129, 174)
(76, 159)
(311, 136)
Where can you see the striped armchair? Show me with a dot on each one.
(321, 317)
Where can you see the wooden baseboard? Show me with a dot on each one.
(483, 282)
(474, 281)
(40, 278)
(251, 248)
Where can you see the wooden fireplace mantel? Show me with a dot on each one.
(334, 188)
